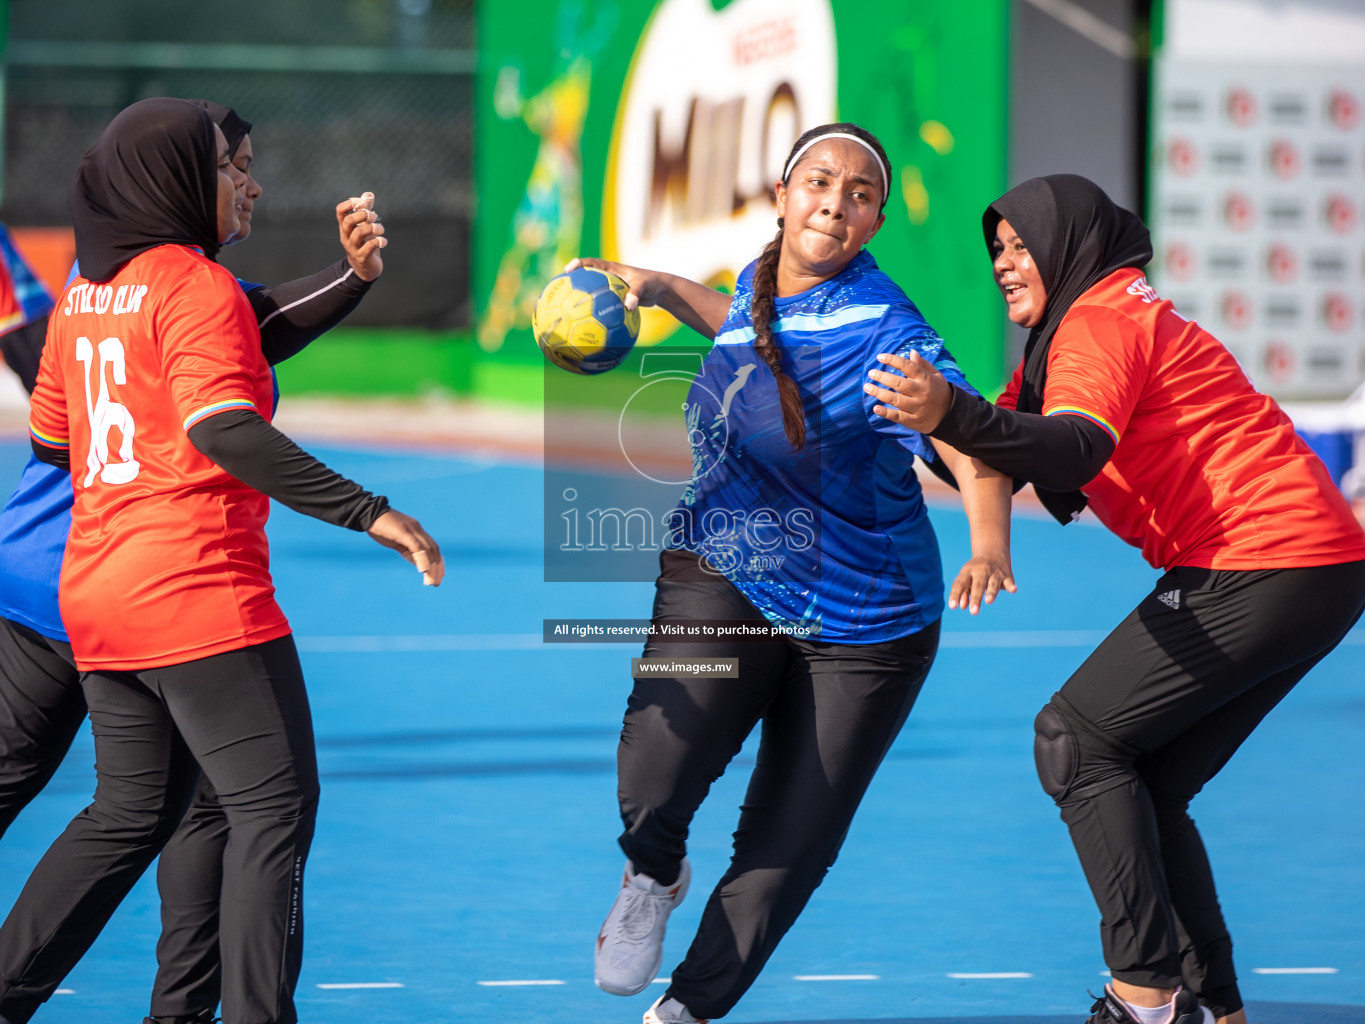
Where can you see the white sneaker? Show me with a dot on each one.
(670, 1011)
(630, 947)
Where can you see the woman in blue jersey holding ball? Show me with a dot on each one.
(803, 521)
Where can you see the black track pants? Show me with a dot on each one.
(829, 713)
(1153, 715)
(189, 877)
(243, 716)
(41, 708)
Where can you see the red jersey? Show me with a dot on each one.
(167, 559)
(1206, 471)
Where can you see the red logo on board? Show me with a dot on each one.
(1343, 109)
(1279, 361)
(1282, 263)
(1285, 159)
(1241, 106)
(1238, 211)
(1236, 310)
(1183, 156)
(1337, 312)
(1179, 261)
(1340, 213)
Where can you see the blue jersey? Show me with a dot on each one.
(29, 298)
(33, 530)
(833, 540)
(35, 523)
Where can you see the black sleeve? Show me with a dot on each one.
(940, 469)
(257, 454)
(293, 314)
(1059, 453)
(59, 457)
(23, 349)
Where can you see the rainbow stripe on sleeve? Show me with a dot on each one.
(48, 442)
(217, 407)
(1068, 410)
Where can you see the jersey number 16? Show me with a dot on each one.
(105, 414)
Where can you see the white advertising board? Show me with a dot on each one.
(1258, 202)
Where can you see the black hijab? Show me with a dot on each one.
(234, 128)
(150, 179)
(1077, 237)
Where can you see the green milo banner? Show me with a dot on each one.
(652, 133)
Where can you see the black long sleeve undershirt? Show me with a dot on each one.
(290, 316)
(23, 349)
(293, 314)
(59, 457)
(1060, 453)
(245, 445)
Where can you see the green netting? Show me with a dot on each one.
(374, 90)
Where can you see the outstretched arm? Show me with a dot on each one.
(701, 308)
(297, 313)
(245, 445)
(1059, 453)
(986, 500)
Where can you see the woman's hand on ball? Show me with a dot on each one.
(701, 308)
(645, 287)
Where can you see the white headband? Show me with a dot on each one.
(886, 178)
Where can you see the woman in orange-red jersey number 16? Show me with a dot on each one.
(154, 389)
(1122, 404)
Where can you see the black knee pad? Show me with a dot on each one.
(1055, 752)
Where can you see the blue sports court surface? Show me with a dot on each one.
(465, 852)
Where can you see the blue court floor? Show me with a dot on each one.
(465, 852)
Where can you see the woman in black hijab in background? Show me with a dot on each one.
(1123, 404)
(41, 703)
(190, 868)
(155, 198)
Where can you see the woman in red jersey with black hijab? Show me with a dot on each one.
(1122, 404)
(154, 387)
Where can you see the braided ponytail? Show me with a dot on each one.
(761, 312)
(762, 308)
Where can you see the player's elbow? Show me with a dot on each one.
(59, 457)
(1091, 448)
(1073, 477)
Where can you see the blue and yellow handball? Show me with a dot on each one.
(581, 322)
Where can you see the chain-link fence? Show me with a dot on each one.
(345, 96)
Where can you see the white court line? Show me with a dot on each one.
(361, 984)
(530, 981)
(991, 975)
(662, 981)
(1294, 970)
(65, 992)
(836, 977)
